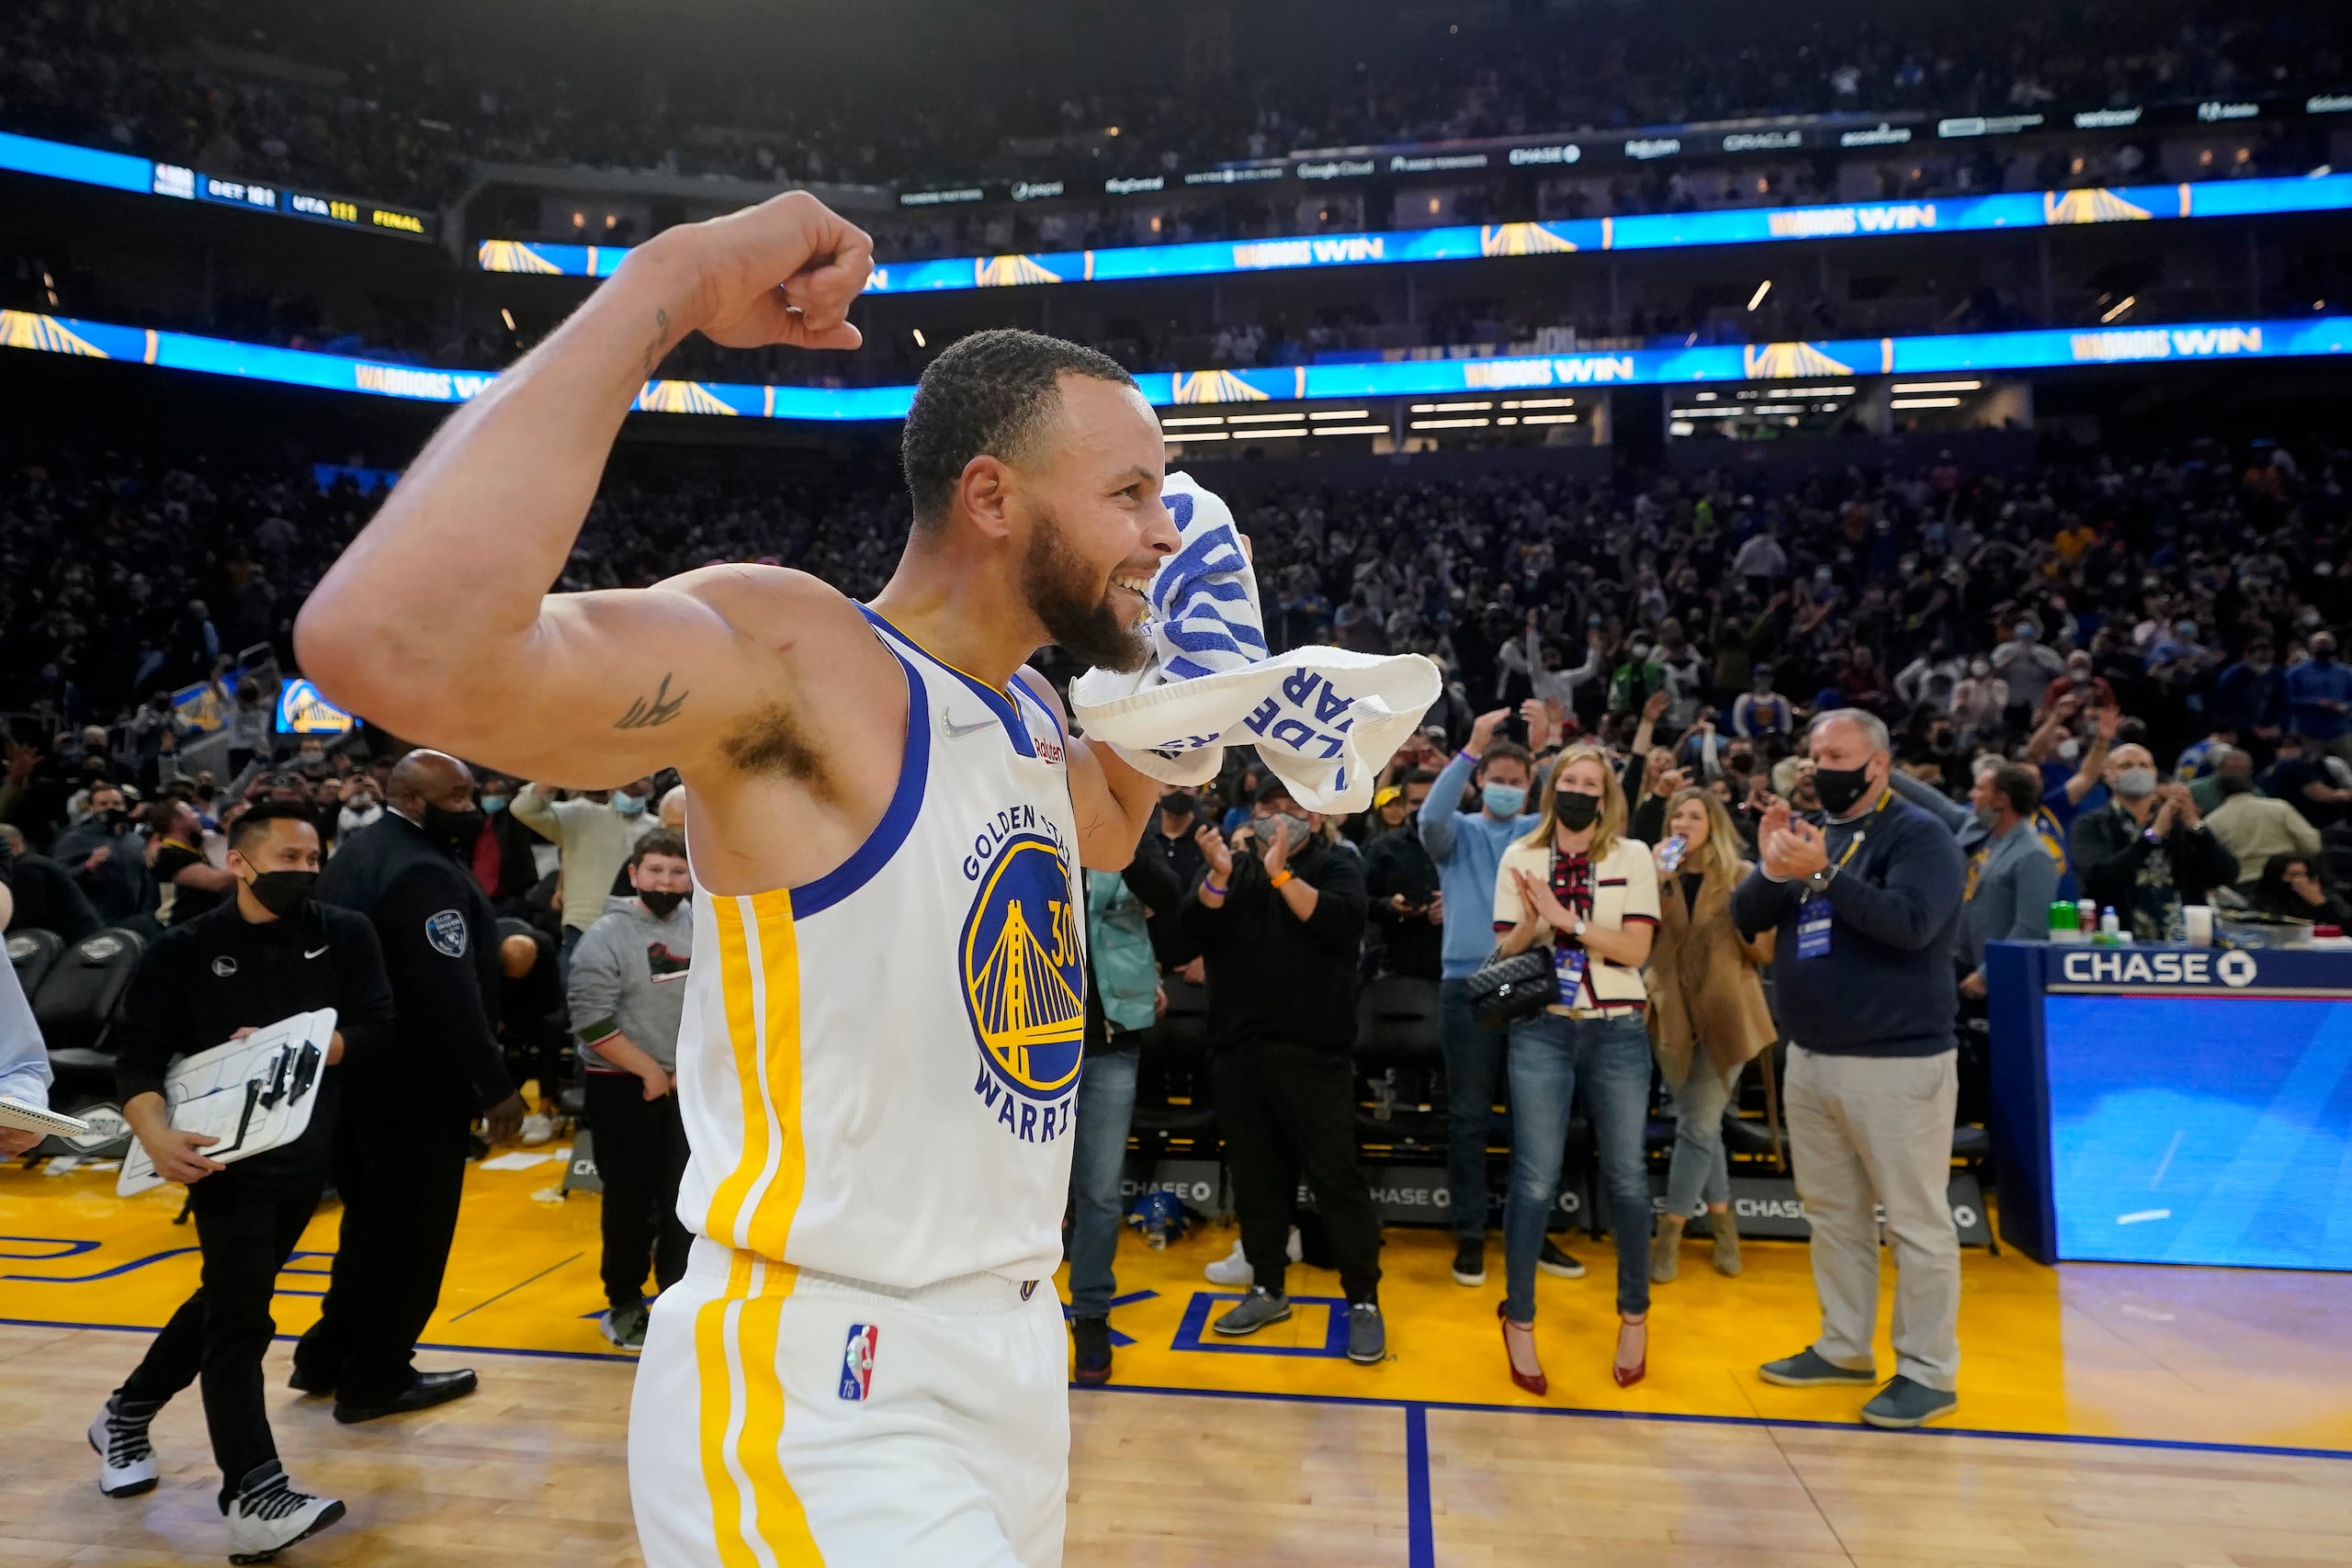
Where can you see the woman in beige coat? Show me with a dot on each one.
(1707, 1016)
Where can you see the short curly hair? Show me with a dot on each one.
(986, 393)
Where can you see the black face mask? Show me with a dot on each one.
(1840, 789)
(283, 892)
(659, 903)
(1576, 810)
(1177, 804)
(453, 831)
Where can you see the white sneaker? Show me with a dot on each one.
(1234, 1269)
(538, 1128)
(268, 1514)
(126, 1460)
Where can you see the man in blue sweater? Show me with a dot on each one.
(1868, 911)
(1468, 849)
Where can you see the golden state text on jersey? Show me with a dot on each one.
(1024, 974)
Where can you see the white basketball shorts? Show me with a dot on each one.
(783, 1417)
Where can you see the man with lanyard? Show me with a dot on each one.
(1868, 911)
(269, 953)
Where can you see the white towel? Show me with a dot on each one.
(1325, 719)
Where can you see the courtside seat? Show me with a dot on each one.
(77, 1000)
(1175, 1111)
(1398, 1056)
(1397, 1022)
(32, 954)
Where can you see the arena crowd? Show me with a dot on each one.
(2094, 678)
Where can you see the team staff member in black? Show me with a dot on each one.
(401, 1157)
(266, 953)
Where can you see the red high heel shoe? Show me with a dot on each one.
(1534, 1383)
(1628, 1376)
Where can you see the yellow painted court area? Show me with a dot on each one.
(2172, 1355)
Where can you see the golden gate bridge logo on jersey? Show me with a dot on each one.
(1025, 987)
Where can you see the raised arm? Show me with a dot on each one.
(437, 624)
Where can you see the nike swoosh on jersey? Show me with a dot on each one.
(957, 732)
(316, 951)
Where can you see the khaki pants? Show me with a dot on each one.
(1866, 1132)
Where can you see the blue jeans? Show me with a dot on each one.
(1106, 1103)
(1549, 1055)
(1473, 1053)
(1699, 1169)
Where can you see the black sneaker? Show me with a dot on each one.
(1470, 1261)
(1558, 1264)
(1092, 1337)
(1367, 1336)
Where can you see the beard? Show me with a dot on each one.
(1075, 606)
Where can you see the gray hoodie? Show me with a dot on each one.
(628, 977)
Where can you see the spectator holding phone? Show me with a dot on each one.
(1707, 1017)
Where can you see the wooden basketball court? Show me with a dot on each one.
(2109, 1415)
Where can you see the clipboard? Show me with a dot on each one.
(253, 1095)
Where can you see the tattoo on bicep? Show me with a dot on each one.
(652, 712)
(660, 337)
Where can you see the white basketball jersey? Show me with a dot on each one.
(878, 1069)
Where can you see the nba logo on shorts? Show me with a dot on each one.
(857, 1360)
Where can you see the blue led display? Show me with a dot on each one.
(1713, 365)
(1733, 226)
(2202, 1130)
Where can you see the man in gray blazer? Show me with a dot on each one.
(2011, 876)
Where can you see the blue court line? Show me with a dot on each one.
(1421, 1539)
(2174, 1445)
(103, 1274)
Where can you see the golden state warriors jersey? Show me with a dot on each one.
(877, 1070)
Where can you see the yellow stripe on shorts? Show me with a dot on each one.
(757, 1519)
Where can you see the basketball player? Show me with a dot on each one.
(866, 1362)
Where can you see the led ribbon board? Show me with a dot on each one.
(1713, 365)
(1731, 226)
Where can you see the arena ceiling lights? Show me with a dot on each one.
(1534, 383)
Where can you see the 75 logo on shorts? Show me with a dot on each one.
(857, 1360)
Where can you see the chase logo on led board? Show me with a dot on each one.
(2127, 967)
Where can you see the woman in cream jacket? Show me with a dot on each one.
(1576, 885)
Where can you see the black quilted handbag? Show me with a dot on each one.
(1505, 990)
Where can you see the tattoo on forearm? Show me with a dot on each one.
(653, 711)
(661, 338)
